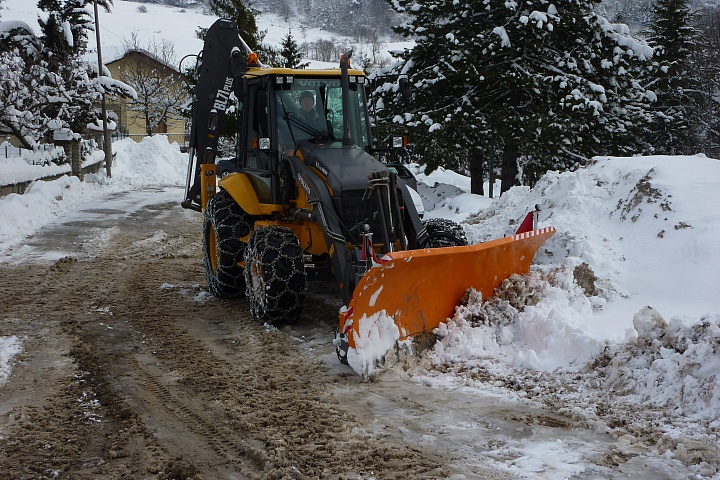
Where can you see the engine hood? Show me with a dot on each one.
(345, 167)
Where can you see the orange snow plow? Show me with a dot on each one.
(411, 292)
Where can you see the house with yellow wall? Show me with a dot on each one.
(139, 66)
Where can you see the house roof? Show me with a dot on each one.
(142, 53)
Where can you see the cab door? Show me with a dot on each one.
(253, 142)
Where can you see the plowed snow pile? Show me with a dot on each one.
(618, 323)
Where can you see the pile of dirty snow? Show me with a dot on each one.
(618, 323)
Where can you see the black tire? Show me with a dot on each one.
(275, 275)
(224, 224)
(444, 233)
(341, 346)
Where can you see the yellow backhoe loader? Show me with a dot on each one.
(309, 198)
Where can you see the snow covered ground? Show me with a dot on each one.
(636, 352)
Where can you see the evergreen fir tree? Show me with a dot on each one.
(550, 84)
(709, 67)
(675, 78)
(243, 15)
(290, 53)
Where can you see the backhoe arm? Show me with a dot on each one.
(219, 70)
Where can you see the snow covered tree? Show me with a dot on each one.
(39, 94)
(550, 84)
(675, 78)
(65, 31)
(22, 88)
(35, 101)
(161, 91)
(290, 53)
(64, 37)
(709, 62)
(243, 15)
(634, 13)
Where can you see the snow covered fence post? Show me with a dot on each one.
(71, 144)
(76, 158)
(63, 138)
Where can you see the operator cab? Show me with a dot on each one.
(286, 112)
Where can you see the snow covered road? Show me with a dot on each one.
(123, 347)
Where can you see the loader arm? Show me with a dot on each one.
(324, 215)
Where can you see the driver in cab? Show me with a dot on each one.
(307, 112)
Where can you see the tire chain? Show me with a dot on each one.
(275, 275)
(444, 233)
(230, 223)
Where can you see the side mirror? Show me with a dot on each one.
(238, 67)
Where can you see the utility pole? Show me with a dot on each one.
(491, 161)
(107, 142)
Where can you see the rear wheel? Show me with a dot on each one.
(224, 223)
(275, 275)
(444, 233)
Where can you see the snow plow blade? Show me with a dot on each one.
(413, 291)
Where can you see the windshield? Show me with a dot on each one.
(312, 109)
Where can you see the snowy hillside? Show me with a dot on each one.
(157, 23)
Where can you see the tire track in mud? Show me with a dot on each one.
(267, 388)
(178, 384)
(223, 443)
(50, 406)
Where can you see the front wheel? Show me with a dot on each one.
(444, 233)
(275, 275)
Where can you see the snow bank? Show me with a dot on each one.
(21, 169)
(154, 161)
(43, 202)
(534, 321)
(647, 227)
(9, 347)
(618, 323)
(670, 365)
